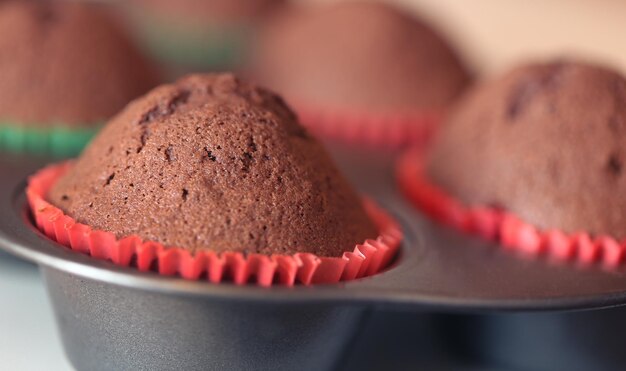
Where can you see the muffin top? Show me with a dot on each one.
(212, 162)
(545, 141)
(66, 62)
(358, 55)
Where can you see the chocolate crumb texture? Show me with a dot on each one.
(214, 162)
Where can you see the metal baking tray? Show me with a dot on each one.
(113, 317)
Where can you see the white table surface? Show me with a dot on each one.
(28, 337)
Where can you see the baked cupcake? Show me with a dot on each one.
(212, 165)
(65, 67)
(199, 33)
(363, 69)
(538, 154)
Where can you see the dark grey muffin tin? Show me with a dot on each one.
(112, 317)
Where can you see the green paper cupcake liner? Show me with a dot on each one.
(202, 49)
(191, 44)
(57, 141)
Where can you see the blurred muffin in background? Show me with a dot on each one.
(532, 159)
(65, 68)
(544, 141)
(204, 34)
(367, 59)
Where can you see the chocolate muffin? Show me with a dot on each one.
(363, 56)
(545, 142)
(66, 63)
(212, 162)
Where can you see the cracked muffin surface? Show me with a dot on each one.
(213, 162)
(544, 141)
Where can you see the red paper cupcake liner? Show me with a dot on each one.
(501, 226)
(377, 130)
(265, 270)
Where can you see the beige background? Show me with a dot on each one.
(493, 34)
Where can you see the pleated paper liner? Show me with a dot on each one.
(366, 259)
(376, 130)
(501, 226)
(55, 140)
